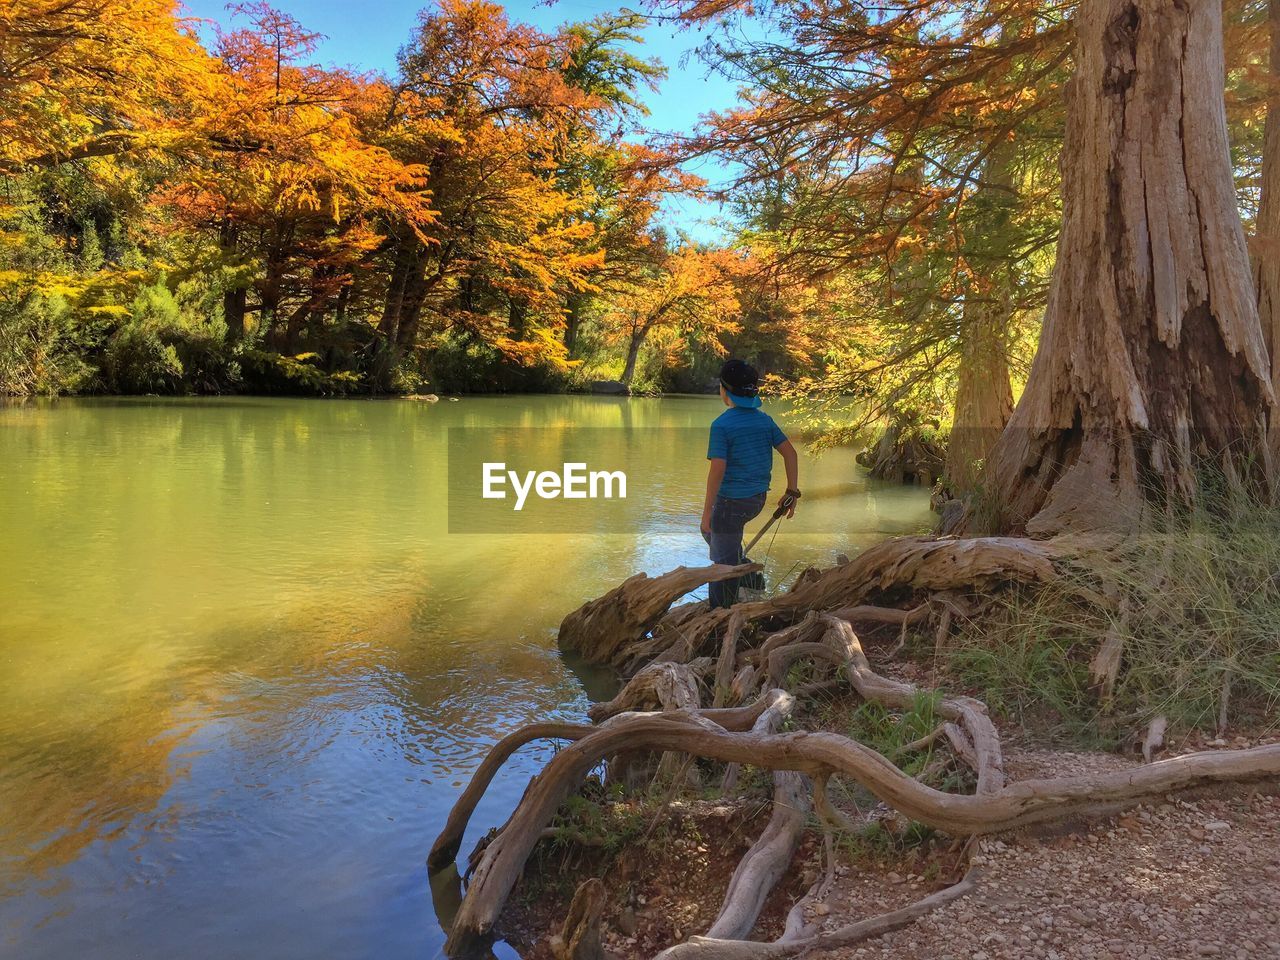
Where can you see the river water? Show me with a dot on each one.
(245, 666)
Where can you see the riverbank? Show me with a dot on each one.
(823, 705)
(1178, 879)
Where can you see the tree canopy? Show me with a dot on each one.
(222, 213)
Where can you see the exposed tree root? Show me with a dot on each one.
(766, 862)
(868, 613)
(707, 948)
(599, 630)
(666, 685)
(445, 849)
(823, 754)
(888, 570)
(678, 653)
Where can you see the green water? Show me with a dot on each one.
(245, 668)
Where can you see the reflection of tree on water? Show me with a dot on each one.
(275, 662)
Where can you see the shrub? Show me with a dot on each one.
(302, 374)
(170, 343)
(137, 360)
(460, 364)
(39, 350)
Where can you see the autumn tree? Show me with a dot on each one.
(620, 182)
(1152, 359)
(908, 151)
(489, 109)
(95, 78)
(686, 296)
(296, 210)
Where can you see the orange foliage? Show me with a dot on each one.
(687, 297)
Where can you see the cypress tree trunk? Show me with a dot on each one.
(572, 321)
(235, 306)
(1152, 355)
(235, 301)
(984, 399)
(1266, 253)
(633, 353)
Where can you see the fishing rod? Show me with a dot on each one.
(787, 503)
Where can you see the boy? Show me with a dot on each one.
(740, 450)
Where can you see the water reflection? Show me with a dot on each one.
(244, 668)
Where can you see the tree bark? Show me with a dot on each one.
(235, 306)
(1266, 252)
(633, 353)
(1152, 358)
(405, 292)
(984, 398)
(235, 300)
(572, 321)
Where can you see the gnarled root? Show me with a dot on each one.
(630, 625)
(708, 948)
(670, 686)
(970, 715)
(445, 849)
(604, 629)
(762, 866)
(900, 568)
(823, 754)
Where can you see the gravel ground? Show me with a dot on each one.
(1170, 881)
(1175, 880)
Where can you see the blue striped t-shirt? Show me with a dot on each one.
(744, 438)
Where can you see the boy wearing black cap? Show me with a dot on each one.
(740, 451)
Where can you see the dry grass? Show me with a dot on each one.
(1195, 605)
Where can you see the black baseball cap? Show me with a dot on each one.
(741, 382)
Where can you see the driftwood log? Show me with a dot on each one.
(695, 661)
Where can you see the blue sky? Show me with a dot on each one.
(367, 33)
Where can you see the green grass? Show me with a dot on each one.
(887, 731)
(1195, 601)
(876, 842)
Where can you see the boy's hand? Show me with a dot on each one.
(788, 501)
(706, 525)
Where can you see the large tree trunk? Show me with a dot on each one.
(1266, 253)
(1152, 356)
(984, 399)
(406, 288)
(235, 307)
(401, 311)
(572, 321)
(235, 300)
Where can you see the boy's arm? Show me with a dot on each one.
(715, 474)
(792, 462)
